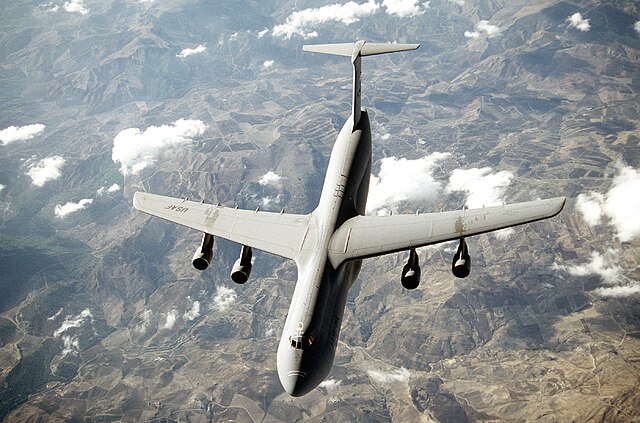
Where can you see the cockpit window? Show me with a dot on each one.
(300, 341)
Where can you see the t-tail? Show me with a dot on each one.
(356, 51)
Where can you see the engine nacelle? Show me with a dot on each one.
(461, 264)
(242, 267)
(204, 253)
(411, 271)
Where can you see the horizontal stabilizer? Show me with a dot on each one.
(360, 48)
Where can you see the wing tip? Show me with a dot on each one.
(137, 200)
(558, 204)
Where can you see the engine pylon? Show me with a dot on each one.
(411, 271)
(204, 253)
(461, 264)
(242, 267)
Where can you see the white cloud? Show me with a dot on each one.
(576, 21)
(76, 6)
(483, 29)
(396, 375)
(458, 2)
(405, 8)
(330, 384)
(618, 291)
(224, 298)
(590, 205)
(472, 34)
(621, 204)
(302, 22)
(71, 322)
(71, 345)
(193, 312)
(171, 319)
(263, 32)
(135, 149)
(62, 211)
(191, 51)
(110, 190)
(270, 178)
(268, 63)
(482, 187)
(2, 187)
(146, 319)
(487, 28)
(20, 133)
(268, 201)
(45, 170)
(636, 26)
(603, 265)
(607, 267)
(52, 318)
(403, 180)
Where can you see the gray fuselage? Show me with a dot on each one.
(310, 336)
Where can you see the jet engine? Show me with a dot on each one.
(461, 265)
(411, 271)
(242, 267)
(202, 257)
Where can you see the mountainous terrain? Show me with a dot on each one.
(103, 317)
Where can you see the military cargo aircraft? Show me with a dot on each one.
(329, 244)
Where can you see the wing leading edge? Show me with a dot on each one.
(281, 234)
(370, 236)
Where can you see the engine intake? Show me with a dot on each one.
(411, 271)
(242, 267)
(461, 264)
(204, 253)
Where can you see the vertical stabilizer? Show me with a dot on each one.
(356, 51)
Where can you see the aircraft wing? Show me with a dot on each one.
(281, 234)
(369, 236)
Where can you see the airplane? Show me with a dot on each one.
(329, 244)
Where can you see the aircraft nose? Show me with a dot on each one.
(295, 383)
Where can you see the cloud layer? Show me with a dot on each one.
(482, 187)
(224, 299)
(304, 21)
(271, 178)
(110, 190)
(578, 22)
(405, 8)
(191, 51)
(171, 319)
(395, 375)
(620, 205)
(483, 30)
(70, 207)
(606, 266)
(45, 170)
(403, 180)
(20, 133)
(135, 149)
(193, 312)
